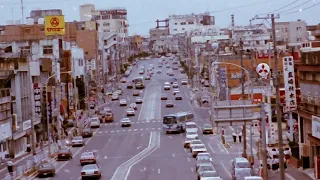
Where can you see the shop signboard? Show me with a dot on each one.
(289, 83)
(70, 92)
(316, 126)
(37, 100)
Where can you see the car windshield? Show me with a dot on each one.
(209, 174)
(129, 109)
(207, 126)
(169, 120)
(90, 166)
(196, 142)
(94, 120)
(87, 154)
(206, 168)
(46, 165)
(125, 119)
(191, 133)
(78, 138)
(199, 147)
(191, 126)
(189, 138)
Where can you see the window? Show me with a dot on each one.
(105, 42)
(175, 23)
(27, 30)
(257, 42)
(175, 29)
(299, 39)
(41, 29)
(47, 50)
(106, 24)
(183, 29)
(25, 50)
(298, 28)
(191, 23)
(183, 23)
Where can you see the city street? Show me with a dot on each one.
(143, 151)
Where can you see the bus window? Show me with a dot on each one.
(169, 120)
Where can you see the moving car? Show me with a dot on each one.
(207, 129)
(87, 132)
(88, 158)
(184, 82)
(164, 96)
(125, 122)
(159, 71)
(147, 77)
(94, 122)
(204, 155)
(176, 91)
(139, 100)
(166, 87)
(199, 148)
(141, 72)
(178, 96)
(90, 171)
(175, 85)
(119, 91)
(199, 161)
(187, 142)
(192, 134)
(115, 97)
(46, 169)
(136, 93)
(109, 117)
(194, 143)
(169, 103)
(64, 154)
(129, 86)
(205, 167)
(77, 141)
(130, 112)
(123, 80)
(134, 106)
(191, 126)
(123, 102)
(208, 175)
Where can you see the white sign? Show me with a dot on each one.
(37, 100)
(26, 125)
(5, 131)
(289, 82)
(316, 126)
(236, 76)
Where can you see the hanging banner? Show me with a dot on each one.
(54, 25)
(223, 83)
(70, 92)
(289, 83)
(37, 100)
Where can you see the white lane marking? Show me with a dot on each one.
(188, 159)
(141, 129)
(106, 132)
(123, 130)
(159, 129)
(211, 148)
(118, 131)
(100, 132)
(112, 131)
(158, 171)
(135, 129)
(224, 148)
(185, 150)
(129, 130)
(224, 167)
(173, 155)
(153, 128)
(192, 170)
(231, 128)
(289, 176)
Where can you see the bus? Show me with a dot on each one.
(176, 122)
(138, 82)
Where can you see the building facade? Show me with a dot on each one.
(309, 114)
(290, 33)
(5, 121)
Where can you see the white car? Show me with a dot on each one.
(115, 97)
(166, 87)
(209, 175)
(94, 122)
(187, 142)
(77, 141)
(90, 171)
(175, 85)
(199, 148)
(119, 92)
(191, 126)
(184, 82)
(125, 122)
(194, 143)
(204, 155)
(130, 112)
(123, 102)
(176, 91)
(88, 158)
(139, 100)
(192, 134)
(166, 83)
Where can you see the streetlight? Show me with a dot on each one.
(48, 129)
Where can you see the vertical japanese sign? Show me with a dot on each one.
(37, 100)
(223, 83)
(70, 92)
(289, 83)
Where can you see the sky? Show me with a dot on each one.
(142, 14)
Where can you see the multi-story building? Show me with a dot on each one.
(291, 33)
(309, 112)
(38, 14)
(185, 23)
(156, 33)
(6, 121)
(314, 30)
(109, 20)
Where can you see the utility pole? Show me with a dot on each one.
(279, 110)
(22, 12)
(31, 95)
(244, 129)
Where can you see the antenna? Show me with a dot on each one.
(22, 13)
(12, 14)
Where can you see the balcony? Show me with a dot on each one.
(311, 100)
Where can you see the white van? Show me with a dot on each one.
(94, 122)
(191, 126)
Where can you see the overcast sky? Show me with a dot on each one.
(143, 13)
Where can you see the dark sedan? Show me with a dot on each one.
(64, 154)
(46, 169)
(87, 132)
(207, 129)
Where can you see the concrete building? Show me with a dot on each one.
(309, 116)
(156, 33)
(291, 33)
(185, 23)
(6, 121)
(109, 20)
(314, 30)
(38, 14)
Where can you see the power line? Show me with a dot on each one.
(283, 7)
(243, 6)
(303, 9)
(295, 7)
(35, 2)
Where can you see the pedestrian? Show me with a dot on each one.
(10, 168)
(234, 135)
(240, 137)
(41, 145)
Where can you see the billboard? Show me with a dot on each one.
(289, 83)
(54, 25)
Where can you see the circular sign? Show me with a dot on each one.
(263, 69)
(54, 22)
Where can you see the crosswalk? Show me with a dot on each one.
(127, 130)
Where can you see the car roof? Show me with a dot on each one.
(190, 123)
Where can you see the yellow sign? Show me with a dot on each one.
(54, 25)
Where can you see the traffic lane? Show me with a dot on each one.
(170, 161)
(73, 167)
(125, 148)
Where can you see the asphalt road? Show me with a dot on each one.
(144, 151)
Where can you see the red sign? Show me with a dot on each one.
(283, 96)
(257, 97)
